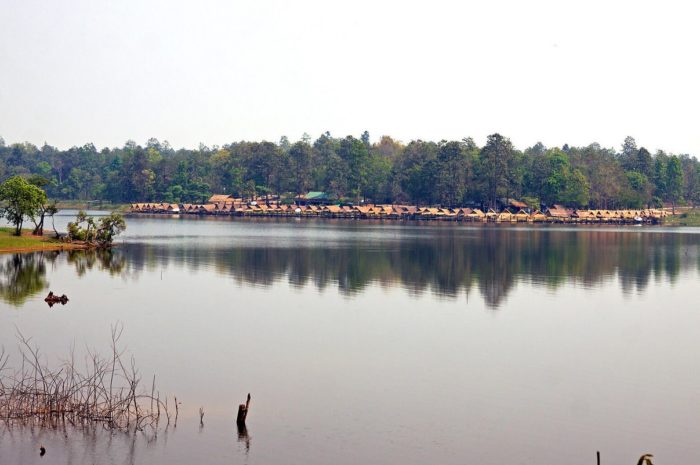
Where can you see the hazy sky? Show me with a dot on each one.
(186, 71)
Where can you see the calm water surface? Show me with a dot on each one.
(379, 343)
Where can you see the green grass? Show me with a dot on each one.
(9, 241)
(689, 218)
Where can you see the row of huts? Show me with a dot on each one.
(556, 214)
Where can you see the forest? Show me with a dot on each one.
(446, 173)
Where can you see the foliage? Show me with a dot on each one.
(110, 226)
(20, 199)
(448, 173)
(101, 233)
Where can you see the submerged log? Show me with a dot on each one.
(243, 412)
(52, 299)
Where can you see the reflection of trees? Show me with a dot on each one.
(448, 261)
(22, 276)
(104, 259)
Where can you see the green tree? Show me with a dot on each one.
(109, 227)
(495, 165)
(20, 200)
(674, 181)
(451, 176)
(301, 160)
(101, 232)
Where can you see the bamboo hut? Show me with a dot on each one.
(558, 213)
(476, 215)
(506, 216)
(538, 217)
(491, 215)
(522, 216)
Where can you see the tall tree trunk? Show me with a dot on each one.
(39, 228)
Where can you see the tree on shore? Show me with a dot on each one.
(674, 181)
(46, 208)
(20, 200)
(496, 165)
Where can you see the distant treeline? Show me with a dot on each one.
(446, 173)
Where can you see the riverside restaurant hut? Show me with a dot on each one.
(522, 216)
(516, 204)
(172, 208)
(314, 198)
(408, 210)
(476, 215)
(584, 216)
(448, 213)
(506, 216)
(205, 209)
(332, 210)
(491, 215)
(430, 213)
(558, 213)
(538, 217)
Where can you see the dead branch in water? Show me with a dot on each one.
(105, 392)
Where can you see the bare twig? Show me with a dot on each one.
(104, 392)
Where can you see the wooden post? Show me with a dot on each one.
(598, 457)
(243, 412)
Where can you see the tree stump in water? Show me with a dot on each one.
(243, 412)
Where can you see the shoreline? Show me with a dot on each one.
(26, 243)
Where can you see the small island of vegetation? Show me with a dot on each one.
(22, 199)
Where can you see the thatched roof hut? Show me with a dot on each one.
(537, 216)
(558, 212)
(522, 216)
(221, 198)
(505, 215)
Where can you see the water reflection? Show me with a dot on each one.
(104, 260)
(445, 262)
(22, 276)
(243, 436)
(492, 261)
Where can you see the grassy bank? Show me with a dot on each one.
(688, 218)
(28, 243)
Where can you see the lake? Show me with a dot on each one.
(377, 342)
